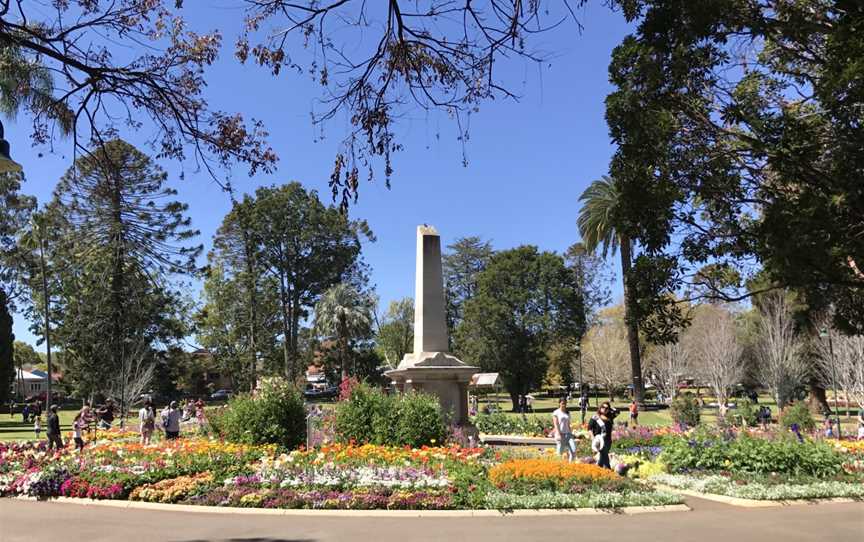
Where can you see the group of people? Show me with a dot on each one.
(600, 426)
(88, 419)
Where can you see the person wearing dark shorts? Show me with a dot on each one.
(55, 441)
(171, 421)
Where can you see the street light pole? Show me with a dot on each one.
(37, 226)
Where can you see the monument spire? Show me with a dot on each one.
(430, 367)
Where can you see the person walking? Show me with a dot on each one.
(171, 421)
(634, 413)
(147, 421)
(600, 426)
(583, 404)
(562, 432)
(55, 440)
(37, 427)
(106, 414)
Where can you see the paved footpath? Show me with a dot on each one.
(707, 522)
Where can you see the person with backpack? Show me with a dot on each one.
(171, 421)
(600, 426)
(147, 420)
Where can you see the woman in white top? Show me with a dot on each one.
(562, 432)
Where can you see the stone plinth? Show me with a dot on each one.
(430, 368)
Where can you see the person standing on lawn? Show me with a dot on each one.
(147, 421)
(55, 440)
(583, 403)
(600, 426)
(562, 432)
(634, 413)
(171, 421)
(78, 425)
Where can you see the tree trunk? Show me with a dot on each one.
(252, 285)
(514, 398)
(295, 330)
(631, 319)
(343, 347)
(818, 396)
(286, 334)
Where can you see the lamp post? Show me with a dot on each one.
(824, 332)
(7, 165)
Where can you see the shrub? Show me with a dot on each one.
(716, 452)
(685, 410)
(499, 423)
(419, 420)
(798, 413)
(369, 416)
(274, 416)
(364, 417)
(745, 414)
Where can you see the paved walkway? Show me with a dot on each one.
(708, 522)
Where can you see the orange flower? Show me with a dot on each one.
(539, 470)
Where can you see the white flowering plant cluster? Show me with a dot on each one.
(757, 489)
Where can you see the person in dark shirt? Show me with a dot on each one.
(53, 432)
(600, 426)
(106, 415)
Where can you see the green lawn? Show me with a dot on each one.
(12, 428)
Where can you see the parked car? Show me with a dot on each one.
(317, 394)
(221, 395)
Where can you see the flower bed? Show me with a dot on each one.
(337, 476)
(763, 488)
(545, 483)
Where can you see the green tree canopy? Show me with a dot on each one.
(739, 128)
(524, 299)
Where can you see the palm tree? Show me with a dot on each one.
(597, 225)
(346, 314)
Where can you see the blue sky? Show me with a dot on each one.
(528, 161)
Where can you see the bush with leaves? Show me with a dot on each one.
(685, 410)
(499, 423)
(798, 413)
(709, 451)
(370, 416)
(275, 415)
(745, 414)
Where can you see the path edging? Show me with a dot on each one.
(138, 505)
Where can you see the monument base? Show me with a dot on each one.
(447, 382)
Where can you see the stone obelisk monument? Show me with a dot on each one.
(430, 368)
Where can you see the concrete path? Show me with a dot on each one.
(708, 522)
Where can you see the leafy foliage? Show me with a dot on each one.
(798, 413)
(370, 416)
(745, 454)
(275, 416)
(685, 410)
(524, 299)
(726, 163)
(499, 423)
